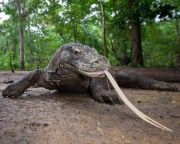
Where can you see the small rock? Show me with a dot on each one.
(45, 124)
(100, 131)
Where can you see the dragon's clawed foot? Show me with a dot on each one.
(12, 91)
(104, 96)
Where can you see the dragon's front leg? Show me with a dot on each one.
(101, 94)
(16, 89)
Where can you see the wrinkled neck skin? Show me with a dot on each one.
(63, 73)
(67, 80)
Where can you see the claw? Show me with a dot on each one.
(98, 99)
(11, 91)
(107, 98)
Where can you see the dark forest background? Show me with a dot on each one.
(139, 33)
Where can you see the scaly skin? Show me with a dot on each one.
(70, 69)
(78, 68)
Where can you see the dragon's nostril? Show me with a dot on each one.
(96, 61)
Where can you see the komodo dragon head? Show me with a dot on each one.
(80, 59)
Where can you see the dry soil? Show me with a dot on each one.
(41, 116)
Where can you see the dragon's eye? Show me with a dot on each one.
(76, 51)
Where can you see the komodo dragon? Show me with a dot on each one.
(78, 68)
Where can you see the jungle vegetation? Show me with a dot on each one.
(139, 33)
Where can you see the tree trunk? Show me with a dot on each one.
(22, 66)
(21, 33)
(14, 49)
(137, 56)
(10, 57)
(104, 44)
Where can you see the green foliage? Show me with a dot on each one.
(159, 43)
(51, 23)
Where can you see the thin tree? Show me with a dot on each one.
(104, 43)
(22, 15)
(137, 54)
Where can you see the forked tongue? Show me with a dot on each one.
(131, 106)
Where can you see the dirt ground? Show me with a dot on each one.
(41, 116)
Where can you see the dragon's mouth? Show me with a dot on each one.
(95, 73)
(92, 74)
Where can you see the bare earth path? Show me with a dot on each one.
(44, 117)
